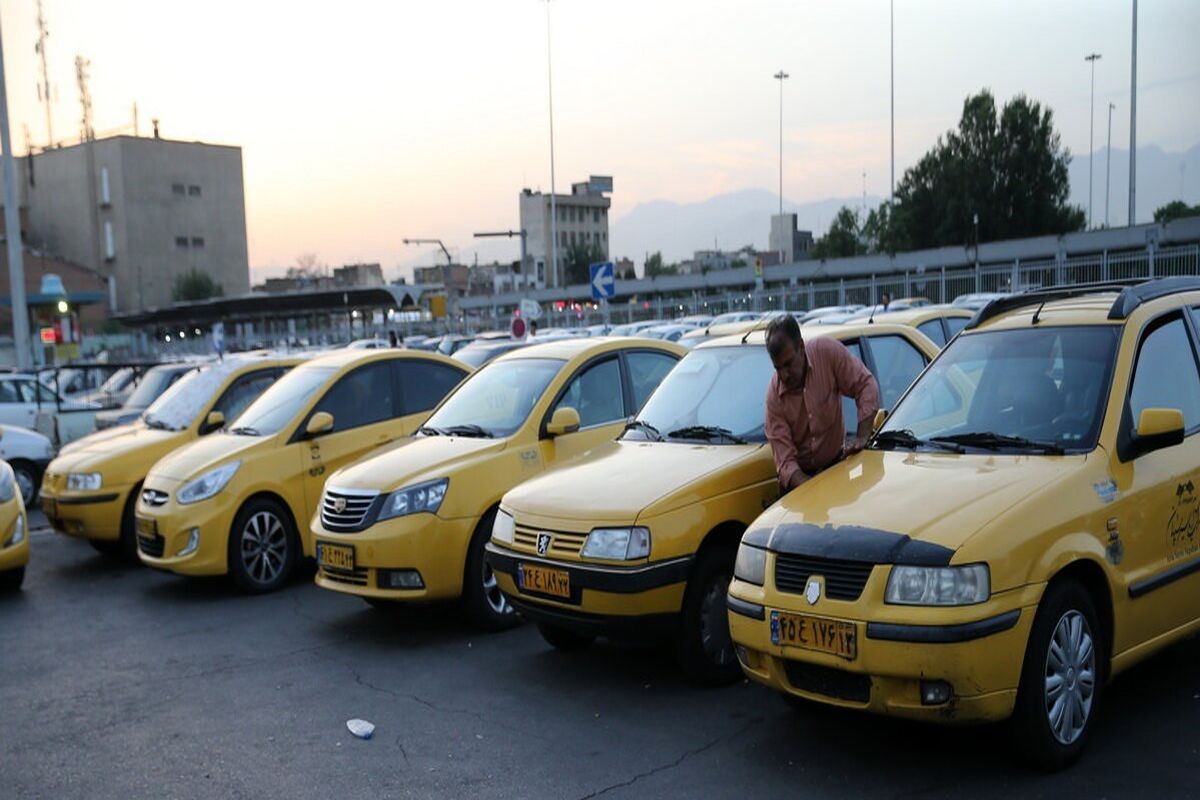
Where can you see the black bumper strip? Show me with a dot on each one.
(1164, 578)
(87, 501)
(644, 628)
(617, 580)
(943, 634)
(746, 609)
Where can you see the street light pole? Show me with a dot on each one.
(892, 71)
(781, 76)
(1092, 57)
(1108, 163)
(509, 234)
(450, 305)
(12, 227)
(1133, 121)
(553, 203)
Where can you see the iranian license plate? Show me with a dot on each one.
(338, 556)
(815, 633)
(147, 527)
(50, 506)
(544, 580)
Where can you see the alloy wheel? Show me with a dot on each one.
(714, 623)
(264, 547)
(491, 592)
(1070, 677)
(25, 484)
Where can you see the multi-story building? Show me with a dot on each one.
(143, 211)
(582, 219)
(792, 244)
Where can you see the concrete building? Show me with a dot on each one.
(141, 211)
(787, 240)
(351, 276)
(582, 219)
(703, 262)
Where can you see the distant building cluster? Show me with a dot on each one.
(582, 219)
(351, 276)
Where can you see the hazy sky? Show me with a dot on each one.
(365, 122)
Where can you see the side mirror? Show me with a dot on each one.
(319, 423)
(213, 422)
(880, 417)
(1157, 428)
(565, 420)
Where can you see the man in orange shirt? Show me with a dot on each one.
(804, 402)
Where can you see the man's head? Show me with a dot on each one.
(885, 299)
(786, 348)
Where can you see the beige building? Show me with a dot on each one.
(582, 219)
(142, 211)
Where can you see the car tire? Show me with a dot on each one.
(11, 580)
(1063, 672)
(705, 648)
(127, 545)
(565, 639)
(382, 603)
(263, 546)
(28, 478)
(484, 603)
(109, 548)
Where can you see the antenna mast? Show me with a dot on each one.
(87, 132)
(44, 86)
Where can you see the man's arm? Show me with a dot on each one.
(779, 434)
(855, 380)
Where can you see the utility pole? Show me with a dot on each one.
(451, 307)
(44, 86)
(1133, 121)
(553, 202)
(509, 234)
(781, 76)
(1092, 57)
(1108, 163)
(892, 70)
(12, 227)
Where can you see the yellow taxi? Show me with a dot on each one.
(14, 532)
(638, 539)
(410, 523)
(1023, 526)
(939, 322)
(237, 502)
(89, 491)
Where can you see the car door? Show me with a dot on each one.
(597, 391)
(422, 385)
(1159, 501)
(896, 362)
(366, 411)
(13, 408)
(934, 330)
(243, 391)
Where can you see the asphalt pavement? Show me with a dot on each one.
(120, 682)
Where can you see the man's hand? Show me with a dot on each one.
(855, 444)
(798, 477)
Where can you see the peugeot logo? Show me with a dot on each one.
(812, 592)
(339, 505)
(543, 543)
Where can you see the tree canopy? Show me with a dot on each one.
(1174, 210)
(579, 259)
(654, 266)
(195, 285)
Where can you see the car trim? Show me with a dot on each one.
(849, 543)
(85, 501)
(648, 628)
(617, 580)
(745, 608)
(1162, 579)
(943, 634)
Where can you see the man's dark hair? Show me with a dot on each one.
(782, 330)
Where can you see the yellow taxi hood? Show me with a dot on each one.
(135, 444)
(206, 452)
(414, 460)
(624, 480)
(940, 499)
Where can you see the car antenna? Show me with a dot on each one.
(871, 319)
(1037, 313)
(752, 330)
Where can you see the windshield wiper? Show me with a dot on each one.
(994, 441)
(905, 438)
(429, 430)
(471, 430)
(651, 431)
(245, 431)
(705, 432)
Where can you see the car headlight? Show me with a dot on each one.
(750, 565)
(18, 534)
(207, 484)
(7, 484)
(83, 481)
(416, 499)
(503, 528)
(938, 586)
(617, 544)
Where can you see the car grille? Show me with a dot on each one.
(355, 510)
(836, 683)
(153, 497)
(562, 543)
(354, 577)
(844, 580)
(152, 546)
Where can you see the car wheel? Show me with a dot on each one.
(565, 639)
(382, 603)
(482, 599)
(1061, 678)
(262, 547)
(27, 478)
(11, 580)
(705, 647)
(127, 545)
(108, 548)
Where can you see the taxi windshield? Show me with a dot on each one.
(1038, 390)
(495, 401)
(277, 406)
(715, 394)
(175, 408)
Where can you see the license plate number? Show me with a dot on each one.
(50, 506)
(147, 527)
(544, 580)
(815, 633)
(338, 556)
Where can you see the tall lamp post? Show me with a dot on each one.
(892, 70)
(553, 204)
(1108, 163)
(12, 224)
(450, 305)
(1133, 120)
(781, 76)
(509, 234)
(1092, 57)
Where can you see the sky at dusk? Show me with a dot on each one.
(365, 122)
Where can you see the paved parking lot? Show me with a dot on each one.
(120, 682)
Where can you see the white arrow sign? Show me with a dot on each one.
(604, 284)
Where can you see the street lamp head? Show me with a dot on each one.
(781, 75)
(1092, 57)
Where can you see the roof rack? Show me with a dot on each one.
(1131, 294)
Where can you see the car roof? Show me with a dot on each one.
(758, 338)
(919, 314)
(1095, 304)
(344, 357)
(586, 347)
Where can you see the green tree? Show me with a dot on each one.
(655, 266)
(1007, 169)
(195, 285)
(844, 237)
(1174, 210)
(580, 256)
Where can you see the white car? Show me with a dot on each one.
(27, 403)
(28, 453)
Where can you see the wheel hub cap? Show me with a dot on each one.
(1070, 677)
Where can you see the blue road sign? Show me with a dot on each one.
(604, 283)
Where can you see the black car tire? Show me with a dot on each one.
(263, 546)
(11, 580)
(484, 604)
(704, 647)
(29, 471)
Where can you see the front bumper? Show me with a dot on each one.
(17, 555)
(86, 515)
(173, 524)
(434, 547)
(617, 601)
(978, 650)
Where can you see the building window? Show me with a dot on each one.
(197, 241)
(193, 191)
(105, 197)
(179, 189)
(596, 215)
(572, 237)
(563, 235)
(181, 241)
(110, 250)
